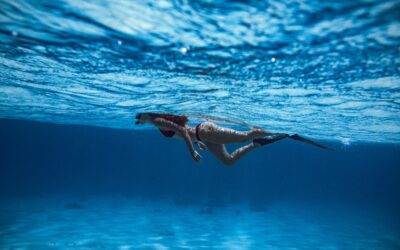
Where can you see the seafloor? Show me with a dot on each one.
(131, 223)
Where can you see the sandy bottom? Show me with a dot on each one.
(134, 224)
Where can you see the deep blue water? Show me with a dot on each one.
(84, 187)
(76, 173)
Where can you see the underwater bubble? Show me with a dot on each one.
(345, 141)
(183, 50)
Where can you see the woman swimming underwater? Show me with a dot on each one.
(211, 136)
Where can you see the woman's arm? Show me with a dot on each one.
(183, 131)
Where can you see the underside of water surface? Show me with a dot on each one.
(77, 173)
(329, 70)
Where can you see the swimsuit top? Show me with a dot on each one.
(167, 133)
(170, 133)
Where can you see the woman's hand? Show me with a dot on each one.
(196, 156)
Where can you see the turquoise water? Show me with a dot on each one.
(76, 173)
(132, 224)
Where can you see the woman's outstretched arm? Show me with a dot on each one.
(183, 131)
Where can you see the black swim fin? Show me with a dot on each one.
(270, 139)
(302, 139)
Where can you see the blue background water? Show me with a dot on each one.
(76, 173)
(83, 187)
(42, 158)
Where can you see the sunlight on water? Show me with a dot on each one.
(325, 70)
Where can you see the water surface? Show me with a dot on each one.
(322, 69)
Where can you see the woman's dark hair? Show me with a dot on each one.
(180, 120)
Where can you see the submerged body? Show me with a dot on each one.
(211, 136)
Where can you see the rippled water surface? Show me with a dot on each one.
(329, 70)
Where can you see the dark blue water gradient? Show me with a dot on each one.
(322, 69)
(44, 159)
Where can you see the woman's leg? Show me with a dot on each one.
(213, 133)
(222, 154)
